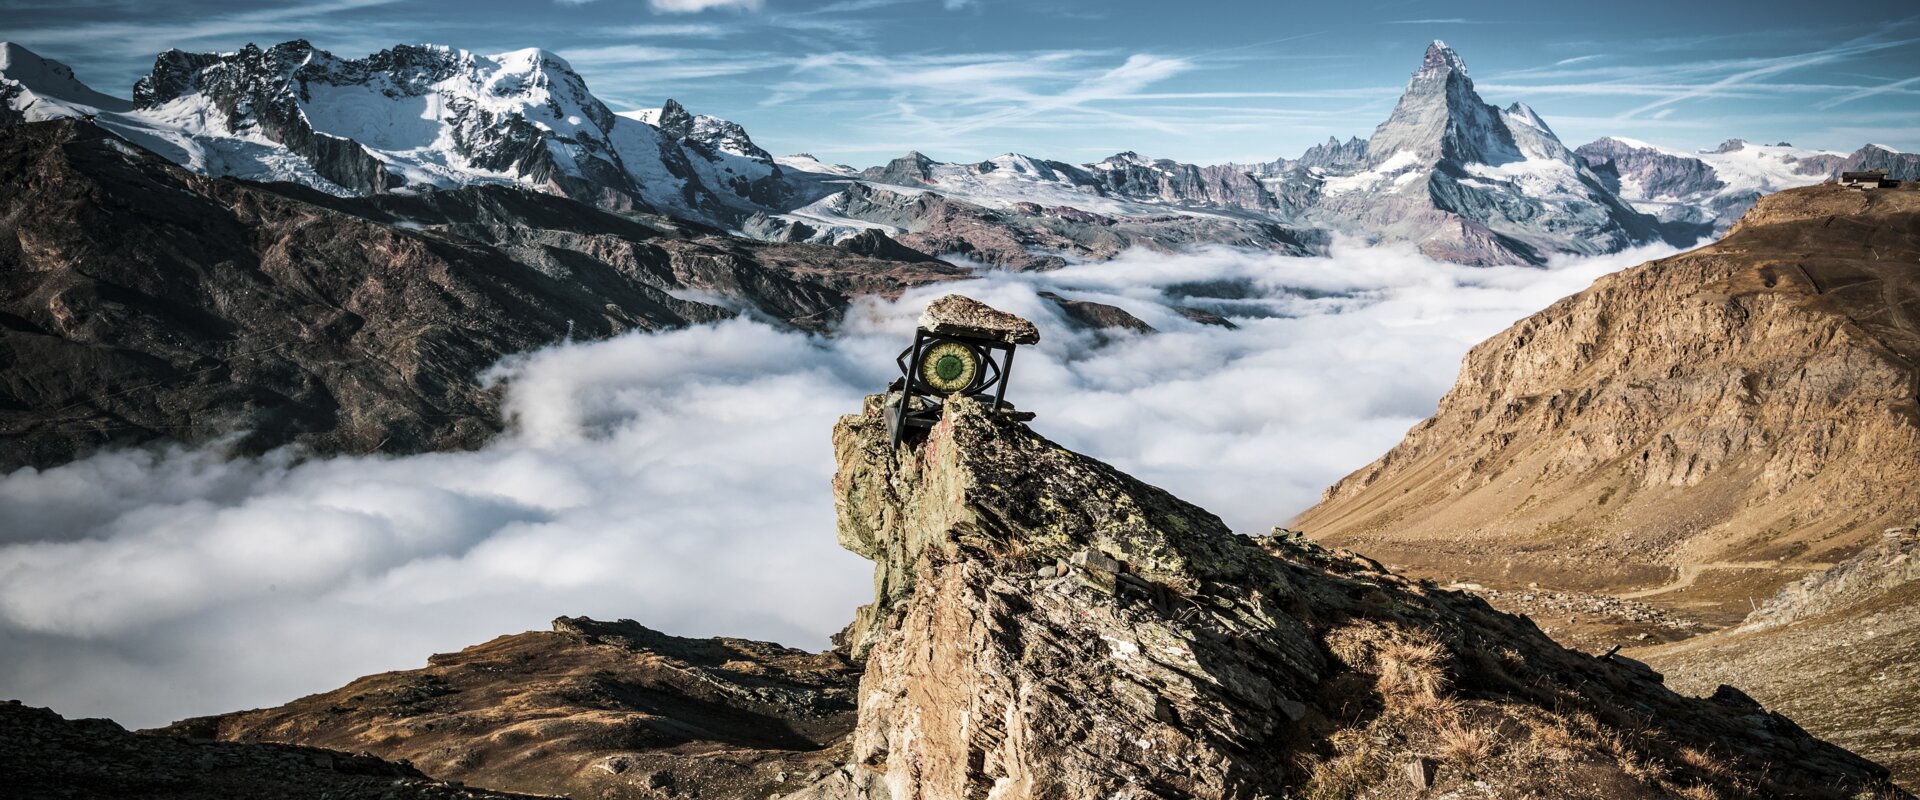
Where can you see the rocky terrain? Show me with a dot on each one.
(142, 301)
(1834, 650)
(1044, 626)
(1696, 434)
(591, 710)
(43, 756)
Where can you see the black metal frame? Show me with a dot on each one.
(991, 375)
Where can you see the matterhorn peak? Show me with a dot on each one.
(1441, 59)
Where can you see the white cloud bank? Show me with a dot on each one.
(681, 478)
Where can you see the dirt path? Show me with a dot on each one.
(1691, 572)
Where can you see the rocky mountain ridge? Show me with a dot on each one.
(424, 116)
(1602, 425)
(589, 709)
(44, 756)
(1462, 179)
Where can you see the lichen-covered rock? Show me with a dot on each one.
(1046, 626)
(961, 315)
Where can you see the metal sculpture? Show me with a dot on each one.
(963, 348)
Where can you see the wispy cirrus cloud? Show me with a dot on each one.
(1771, 66)
(696, 6)
(1899, 86)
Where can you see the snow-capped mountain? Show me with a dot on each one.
(1455, 176)
(34, 88)
(1707, 190)
(1468, 181)
(1461, 179)
(422, 116)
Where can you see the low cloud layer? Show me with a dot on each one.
(681, 479)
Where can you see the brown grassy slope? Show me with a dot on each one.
(1714, 423)
(1835, 651)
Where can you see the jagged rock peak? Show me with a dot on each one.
(1730, 146)
(1047, 626)
(674, 119)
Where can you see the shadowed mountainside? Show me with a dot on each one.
(140, 301)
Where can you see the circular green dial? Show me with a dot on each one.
(949, 367)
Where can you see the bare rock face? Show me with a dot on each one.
(45, 756)
(1746, 410)
(1046, 626)
(591, 709)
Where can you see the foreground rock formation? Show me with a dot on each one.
(43, 756)
(1045, 626)
(140, 301)
(591, 709)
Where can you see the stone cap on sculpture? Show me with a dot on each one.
(959, 315)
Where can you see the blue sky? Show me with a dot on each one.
(860, 81)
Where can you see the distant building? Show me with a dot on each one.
(1868, 179)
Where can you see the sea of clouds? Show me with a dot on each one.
(681, 478)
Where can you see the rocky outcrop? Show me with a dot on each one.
(1748, 408)
(1045, 626)
(1655, 173)
(1162, 180)
(45, 756)
(871, 242)
(139, 301)
(591, 709)
(911, 169)
(1089, 315)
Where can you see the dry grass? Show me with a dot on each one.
(1413, 667)
(1699, 791)
(1410, 668)
(1360, 763)
(1466, 746)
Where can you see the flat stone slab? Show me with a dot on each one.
(959, 315)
